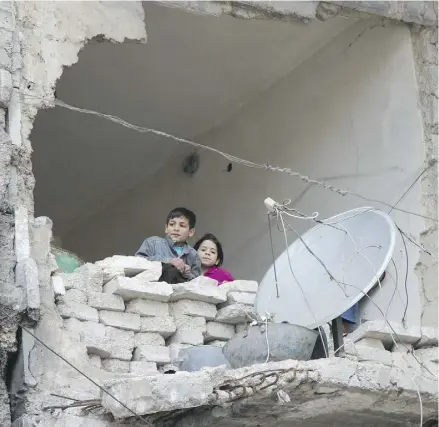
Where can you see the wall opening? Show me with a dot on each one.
(335, 100)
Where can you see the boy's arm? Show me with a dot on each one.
(148, 251)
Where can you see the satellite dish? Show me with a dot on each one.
(356, 248)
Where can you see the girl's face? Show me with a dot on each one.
(208, 253)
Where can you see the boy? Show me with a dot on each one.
(179, 260)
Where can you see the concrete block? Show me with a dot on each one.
(112, 272)
(217, 343)
(234, 314)
(74, 296)
(125, 321)
(71, 280)
(95, 360)
(187, 336)
(131, 265)
(429, 337)
(74, 327)
(152, 274)
(219, 331)
(148, 308)
(131, 288)
(245, 298)
(58, 286)
(142, 368)
(5, 88)
(148, 338)
(165, 326)
(400, 348)
(103, 301)
(174, 351)
(380, 329)
(199, 289)
(194, 308)
(26, 277)
(41, 231)
(241, 327)
(371, 343)
(370, 354)
(107, 342)
(116, 365)
(92, 276)
(78, 311)
(152, 353)
(427, 354)
(190, 322)
(240, 286)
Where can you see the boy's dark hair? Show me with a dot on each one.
(219, 247)
(178, 212)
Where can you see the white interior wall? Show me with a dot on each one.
(348, 115)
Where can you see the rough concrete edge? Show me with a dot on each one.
(423, 13)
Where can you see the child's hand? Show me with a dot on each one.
(178, 264)
(186, 273)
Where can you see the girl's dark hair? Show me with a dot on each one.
(219, 248)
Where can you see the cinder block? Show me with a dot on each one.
(103, 301)
(125, 321)
(5, 88)
(73, 296)
(26, 277)
(190, 322)
(58, 286)
(144, 368)
(116, 365)
(245, 298)
(131, 265)
(152, 353)
(148, 338)
(219, 331)
(92, 277)
(370, 354)
(240, 286)
(199, 289)
(74, 327)
(95, 360)
(371, 343)
(148, 308)
(217, 343)
(174, 351)
(165, 326)
(107, 342)
(131, 288)
(234, 314)
(187, 336)
(194, 308)
(78, 311)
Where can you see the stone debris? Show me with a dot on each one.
(78, 311)
(125, 321)
(234, 314)
(148, 308)
(116, 365)
(131, 265)
(165, 326)
(174, 351)
(131, 288)
(240, 286)
(219, 331)
(152, 353)
(371, 343)
(187, 336)
(200, 289)
(194, 308)
(102, 301)
(147, 338)
(217, 343)
(95, 360)
(92, 277)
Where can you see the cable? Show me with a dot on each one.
(229, 157)
(405, 279)
(84, 375)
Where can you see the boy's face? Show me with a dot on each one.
(178, 229)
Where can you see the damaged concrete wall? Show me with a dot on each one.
(343, 115)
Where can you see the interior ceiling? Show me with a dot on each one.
(193, 73)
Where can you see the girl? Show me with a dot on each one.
(211, 254)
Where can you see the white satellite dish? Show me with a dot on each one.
(356, 248)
